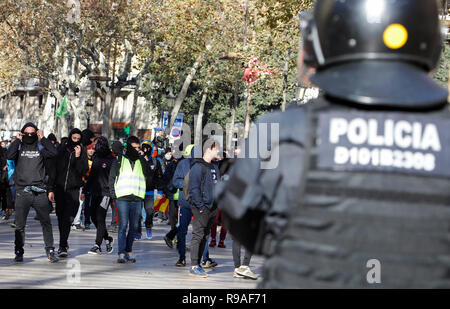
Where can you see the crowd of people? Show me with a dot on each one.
(82, 176)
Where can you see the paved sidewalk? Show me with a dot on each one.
(155, 266)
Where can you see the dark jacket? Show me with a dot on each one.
(155, 175)
(98, 181)
(31, 163)
(167, 185)
(197, 197)
(114, 173)
(181, 171)
(69, 170)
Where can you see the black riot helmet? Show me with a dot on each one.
(375, 52)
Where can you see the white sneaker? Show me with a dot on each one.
(246, 272)
(236, 275)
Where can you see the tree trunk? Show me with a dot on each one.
(139, 77)
(111, 113)
(247, 114)
(182, 95)
(285, 79)
(133, 125)
(233, 117)
(106, 110)
(198, 134)
(48, 117)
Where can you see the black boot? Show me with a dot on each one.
(19, 256)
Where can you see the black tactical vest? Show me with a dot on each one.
(373, 209)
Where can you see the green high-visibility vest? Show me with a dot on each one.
(130, 181)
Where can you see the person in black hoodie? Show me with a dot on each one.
(29, 151)
(154, 181)
(170, 164)
(98, 185)
(71, 164)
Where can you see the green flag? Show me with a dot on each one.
(127, 130)
(62, 109)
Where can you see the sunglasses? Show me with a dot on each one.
(29, 134)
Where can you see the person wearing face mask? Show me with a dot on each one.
(154, 181)
(71, 164)
(97, 187)
(170, 164)
(30, 151)
(127, 184)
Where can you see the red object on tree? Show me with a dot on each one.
(255, 70)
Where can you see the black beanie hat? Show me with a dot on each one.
(28, 124)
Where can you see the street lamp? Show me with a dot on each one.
(89, 105)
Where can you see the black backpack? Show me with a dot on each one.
(186, 180)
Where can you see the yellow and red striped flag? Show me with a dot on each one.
(161, 205)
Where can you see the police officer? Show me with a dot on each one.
(360, 196)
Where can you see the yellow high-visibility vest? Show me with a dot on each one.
(130, 181)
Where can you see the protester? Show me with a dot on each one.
(170, 165)
(224, 165)
(29, 151)
(117, 150)
(153, 182)
(98, 187)
(71, 165)
(64, 142)
(185, 213)
(52, 138)
(4, 183)
(223, 231)
(127, 184)
(90, 150)
(11, 193)
(87, 137)
(203, 176)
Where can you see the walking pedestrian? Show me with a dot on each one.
(203, 176)
(4, 183)
(127, 184)
(170, 164)
(98, 187)
(242, 270)
(117, 150)
(71, 164)
(153, 182)
(223, 231)
(29, 151)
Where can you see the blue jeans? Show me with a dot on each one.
(184, 221)
(129, 212)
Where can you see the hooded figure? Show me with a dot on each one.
(71, 143)
(98, 187)
(117, 148)
(86, 137)
(70, 166)
(30, 172)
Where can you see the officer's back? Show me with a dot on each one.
(360, 196)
